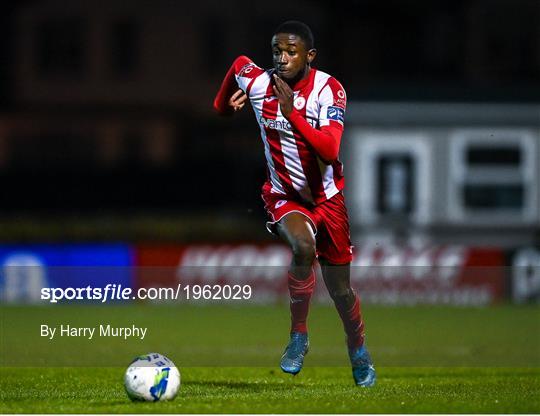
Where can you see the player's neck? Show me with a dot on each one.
(299, 78)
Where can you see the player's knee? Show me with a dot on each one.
(304, 250)
(342, 296)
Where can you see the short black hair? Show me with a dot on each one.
(299, 29)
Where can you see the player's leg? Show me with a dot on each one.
(296, 230)
(335, 256)
(337, 280)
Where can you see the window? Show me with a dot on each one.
(214, 33)
(53, 149)
(490, 196)
(492, 176)
(395, 188)
(60, 47)
(497, 155)
(123, 46)
(390, 177)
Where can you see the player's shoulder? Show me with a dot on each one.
(330, 89)
(326, 80)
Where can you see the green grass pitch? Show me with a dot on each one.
(429, 360)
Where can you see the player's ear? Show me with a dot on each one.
(312, 53)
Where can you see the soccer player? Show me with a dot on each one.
(300, 111)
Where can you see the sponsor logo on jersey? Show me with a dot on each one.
(335, 113)
(341, 99)
(299, 103)
(280, 203)
(246, 69)
(275, 124)
(283, 124)
(340, 103)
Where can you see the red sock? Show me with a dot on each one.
(352, 323)
(300, 292)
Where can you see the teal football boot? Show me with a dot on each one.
(362, 367)
(293, 356)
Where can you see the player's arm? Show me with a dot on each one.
(232, 96)
(326, 140)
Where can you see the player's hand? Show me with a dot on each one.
(285, 96)
(238, 100)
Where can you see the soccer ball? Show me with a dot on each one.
(152, 377)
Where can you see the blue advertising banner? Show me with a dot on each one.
(26, 269)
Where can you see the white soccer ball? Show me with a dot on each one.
(152, 377)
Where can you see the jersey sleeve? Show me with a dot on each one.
(333, 102)
(241, 75)
(245, 73)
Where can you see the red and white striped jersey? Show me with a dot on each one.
(294, 168)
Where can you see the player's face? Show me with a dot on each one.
(291, 57)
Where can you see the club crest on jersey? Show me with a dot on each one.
(299, 103)
(335, 113)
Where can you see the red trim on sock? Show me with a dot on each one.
(353, 324)
(300, 292)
